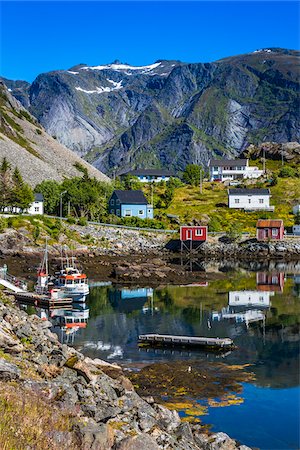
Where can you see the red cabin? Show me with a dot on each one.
(195, 233)
(269, 229)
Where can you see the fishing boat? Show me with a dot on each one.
(71, 280)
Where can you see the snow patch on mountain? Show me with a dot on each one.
(101, 89)
(122, 67)
(73, 73)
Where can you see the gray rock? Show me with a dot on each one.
(8, 371)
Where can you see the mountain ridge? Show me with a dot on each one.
(38, 156)
(169, 113)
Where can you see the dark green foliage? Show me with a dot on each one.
(82, 221)
(3, 224)
(287, 172)
(51, 192)
(38, 131)
(14, 193)
(71, 220)
(297, 219)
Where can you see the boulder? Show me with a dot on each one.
(8, 371)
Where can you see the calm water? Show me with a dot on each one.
(258, 310)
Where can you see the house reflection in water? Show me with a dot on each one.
(128, 300)
(272, 282)
(245, 307)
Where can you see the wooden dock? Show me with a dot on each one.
(168, 340)
(41, 300)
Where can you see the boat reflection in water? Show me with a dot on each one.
(67, 321)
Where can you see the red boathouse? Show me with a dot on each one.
(269, 229)
(193, 233)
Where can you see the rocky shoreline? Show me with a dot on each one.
(104, 411)
(106, 241)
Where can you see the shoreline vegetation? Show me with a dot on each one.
(54, 397)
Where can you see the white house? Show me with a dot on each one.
(149, 175)
(37, 207)
(258, 299)
(232, 169)
(250, 199)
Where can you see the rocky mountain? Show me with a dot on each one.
(25, 144)
(169, 114)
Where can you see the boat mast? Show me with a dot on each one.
(46, 261)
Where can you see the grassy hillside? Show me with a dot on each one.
(189, 204)
(211, 206)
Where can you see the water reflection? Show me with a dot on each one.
(258, 308)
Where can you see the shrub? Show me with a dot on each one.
(234, 231)
(287, 172)
(3, 224)
(214, 224)
(82, 221)
(71, 220)
(38, 131)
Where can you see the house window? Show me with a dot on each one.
(236, 200)
(274, 231)
(36, 209)
(236, 298)
(261, 200)
(249, 200)
(112, 202)
(215, 169)
(117, 202)
(149, 210)
(127, 212)
(261, 299)
(111, 211)
(198, 232)
(141, 212)
(118, 212)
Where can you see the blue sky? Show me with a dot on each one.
(41, 36)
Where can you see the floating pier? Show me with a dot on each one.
(168, 340)
(41, 300)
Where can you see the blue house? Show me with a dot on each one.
(130, 204)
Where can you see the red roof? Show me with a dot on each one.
(269, 223)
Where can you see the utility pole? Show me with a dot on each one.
(60, 209)
(200, 166)
(264, 160)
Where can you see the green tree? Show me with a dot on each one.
(22, 194)
(191, 175)
(51, 192)
(5, 184)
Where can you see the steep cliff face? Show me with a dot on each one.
(25, 144)
(170, 113)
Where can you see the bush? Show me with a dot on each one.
(71, 220)
(287, 172)
(3, 224)
(234, 231)
(82, 222)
